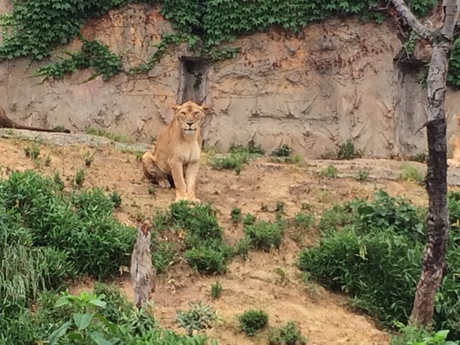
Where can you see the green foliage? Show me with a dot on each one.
(453, 76)
(79, 178)
(197, 318)
(348, 151)
(304, 220)
(373, 250)
(93, 54)
(235, 214)
(282, 151)
(242, 248)
(80, 226)
(237, 157)
(116, 199)
(288, 334)
(88, 157)
(205, 249)
(163, 255)
(419, 157)
(216, 290)
(109, 135)
(253, 320)
(32, 151)
(264, 235)
(411, 173)
(35, 27)
(329, 172)
(362, 175)
(412, 335)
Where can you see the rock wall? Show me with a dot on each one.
(334, 81)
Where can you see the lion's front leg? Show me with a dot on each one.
(191, 175)
(178, 177)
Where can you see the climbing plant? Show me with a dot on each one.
(35, 27)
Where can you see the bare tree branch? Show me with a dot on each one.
(413, 22)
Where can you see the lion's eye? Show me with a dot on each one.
(196, 114)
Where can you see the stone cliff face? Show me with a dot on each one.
(334, 81)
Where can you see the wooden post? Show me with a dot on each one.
(143, 274)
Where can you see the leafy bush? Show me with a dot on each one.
(373, 250)
(286, 335)
(206, 259)
(329, 172)
(80, 224)
(411, 173)
(197, 318)
(264, 235)
(348, 151)
(253, 320)
(206, 251)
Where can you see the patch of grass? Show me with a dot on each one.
(216, 290)
(164, 254)
(264, 235)
(249, 219)
(252, 321)
(237, 157)
(411, 173)
(79, 178)
(304, 220)
(288, 334)
(106, 134)
(235, 214)
(88, 157)
(348, 151)
(116, 199)
(283, 155)
(242, 248)
(419, 157)
(282, 151)
(329, 172)
(32, 151)
(362, 175)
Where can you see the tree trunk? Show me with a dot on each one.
(143, 273)
(434, 262)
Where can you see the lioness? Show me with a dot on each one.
(177, 152)
(6, 122)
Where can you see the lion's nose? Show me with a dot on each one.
(190, 124)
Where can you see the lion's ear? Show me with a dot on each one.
(205, 107)
(175, 107)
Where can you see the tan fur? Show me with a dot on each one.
(177, 152)
(455, 161)
(5, 122)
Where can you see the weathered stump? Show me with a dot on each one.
(143, 274)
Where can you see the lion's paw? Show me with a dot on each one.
(164, 183)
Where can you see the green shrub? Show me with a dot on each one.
(80, 224)
(197, 318)
(329, 172)
(163, 255)
(235, 214)
(362, 175)
(206, 260)
(366, 245)
(242, 247)
(286, 335)
(253, 320)
(282, 151)
(348, 151)
(304, 220)
(264, 235)
(216, 290)
(411, 173)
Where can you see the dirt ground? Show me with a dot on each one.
(269, 281)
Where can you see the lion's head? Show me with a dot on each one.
(189, 116)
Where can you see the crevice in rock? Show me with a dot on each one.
(192, 84)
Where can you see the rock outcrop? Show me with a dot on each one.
(334, 81)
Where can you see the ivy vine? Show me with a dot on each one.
(35, 27)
